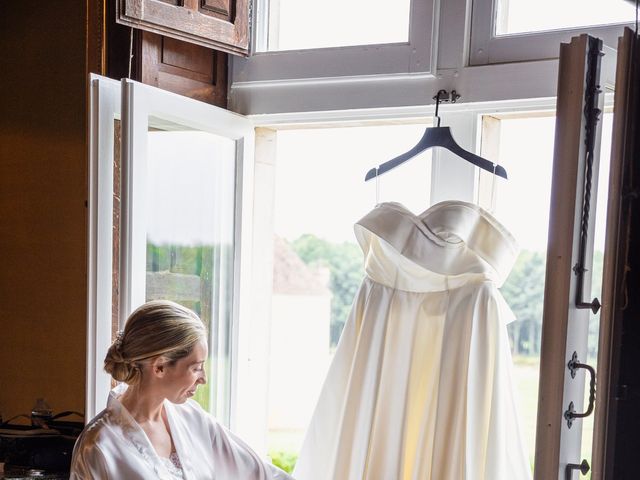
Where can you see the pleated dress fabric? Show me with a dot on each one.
(421, 387)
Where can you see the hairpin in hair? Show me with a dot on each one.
(118, 340)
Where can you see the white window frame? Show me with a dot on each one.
(415, 57)
(287, 82)
(337, 78)
(104, 99)
(291, 97)
(487, 48)
(469, 183)
(138, 102)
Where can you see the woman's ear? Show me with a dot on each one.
(158, 366)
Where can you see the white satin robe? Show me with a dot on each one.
(420, 387)
(114, 447)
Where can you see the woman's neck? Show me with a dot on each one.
(143, 405)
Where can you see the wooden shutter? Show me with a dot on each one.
(565, 322)
(218, 24)
(615, 453)
(190, 70)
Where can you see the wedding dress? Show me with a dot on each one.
(420, 386)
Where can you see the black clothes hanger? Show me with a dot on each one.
(438, 137)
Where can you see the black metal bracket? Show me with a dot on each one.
(573, 365)
(582, 467)
(444, 96)
(592, 116)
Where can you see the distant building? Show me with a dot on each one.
(300, 338)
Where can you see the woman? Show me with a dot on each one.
(151, 428)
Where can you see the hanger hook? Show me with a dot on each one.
(441, 96)
(444, 96)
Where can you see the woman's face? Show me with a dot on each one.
(182, 378)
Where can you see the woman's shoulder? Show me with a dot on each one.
(89, 440)
(88, 459)
(97, 431)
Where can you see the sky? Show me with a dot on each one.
(329, 164)
(320, 186)
(526, 16)
(190, 188)
(365, 22)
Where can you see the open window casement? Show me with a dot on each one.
(562, 406)
(178, 227)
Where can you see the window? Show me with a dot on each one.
(298, 25)
(313, 245)
(522, 204)
(190, 223)
(195, 245)
(519, 16)
(296, 79)
(104, 152)
(317, 263)
(516, 30)
(185, 170)
(408, 47)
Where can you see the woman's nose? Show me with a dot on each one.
(203, 378)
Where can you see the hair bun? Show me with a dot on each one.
(156, 328)
(117, 365)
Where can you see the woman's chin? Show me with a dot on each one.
(183, 397)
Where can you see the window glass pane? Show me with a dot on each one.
(190, 241)
(521, 16)
(302, 24)
(522, 205)
(318, 266)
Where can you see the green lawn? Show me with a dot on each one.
(526, 373)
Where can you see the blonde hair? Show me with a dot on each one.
(159, 327)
